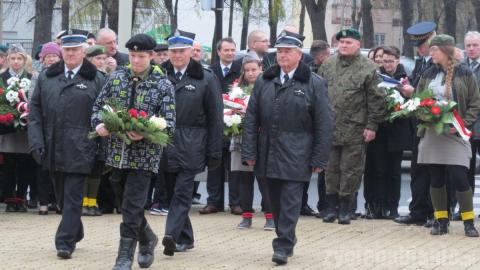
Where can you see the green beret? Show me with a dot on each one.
(96, 50)
(442, 40)
(349, 33)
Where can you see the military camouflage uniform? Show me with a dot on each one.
(358, 105)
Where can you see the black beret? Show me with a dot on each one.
(348, 33)
(141, 42)
(161, 47)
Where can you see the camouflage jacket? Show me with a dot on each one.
(356, 100)
(154, 95)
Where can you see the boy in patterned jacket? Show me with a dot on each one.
(143, 87)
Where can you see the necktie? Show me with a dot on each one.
(473, 64)
(285, 78)
(178, 75)
(69, 74)
(225, 71)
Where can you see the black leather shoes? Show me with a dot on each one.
(64, 254)
(307, 211)
(470, 230)
(440, 227)
(429, 223)
(409, 220)
(169, 245)
(183, 247)
(279, 258)
(209, 209)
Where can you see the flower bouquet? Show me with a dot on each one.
(432, 113)
(14, 103)
(119, 122)
(393, 99)
(235, 106)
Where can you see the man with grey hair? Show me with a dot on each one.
(108, 38)
(58, 127)
(472, 59)
(287, 135)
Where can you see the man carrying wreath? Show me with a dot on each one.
(142, 87)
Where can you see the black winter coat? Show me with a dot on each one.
(288, 128)
(400, 133)
(227, 81)
(199, 123)
(59, 119)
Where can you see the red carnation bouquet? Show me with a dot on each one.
(439, 114)
(14, 103)
(235, 106)
(120, 121)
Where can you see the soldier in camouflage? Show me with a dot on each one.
(359, 107)
(143, 87)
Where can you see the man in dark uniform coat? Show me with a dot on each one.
(420, 207)
(197, 140)
(227, 71)
(59, 122)
(287, 136)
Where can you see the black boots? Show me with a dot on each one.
(440, 226)
(344, 210)
(125, 254)
(331, 212)
(146, 247)
(470, 230)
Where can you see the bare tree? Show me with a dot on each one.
(65, 13)
(43, 21)
(476, 5)
(406, 7)
(172, 12)
(112, 13)
(450, 7)
(367, 23)
(356, 20)
(420, 10)
(103, 14)
(230, 18)
(275, 13)
(246, 7)
(301, 23)
(316, 11)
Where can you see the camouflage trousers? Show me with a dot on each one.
(345, 169)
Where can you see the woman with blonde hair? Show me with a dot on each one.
(449, 154)
(18, 165)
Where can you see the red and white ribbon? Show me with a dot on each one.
(460, 126)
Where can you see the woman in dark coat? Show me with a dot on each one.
(382, 178)
(18, 166)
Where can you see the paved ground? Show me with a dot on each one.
(26, 242)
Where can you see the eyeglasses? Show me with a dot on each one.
(389, 61)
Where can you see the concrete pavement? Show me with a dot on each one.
(27, 242)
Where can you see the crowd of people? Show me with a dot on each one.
(310, 113)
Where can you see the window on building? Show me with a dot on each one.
(396, 22)
(379, 39)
